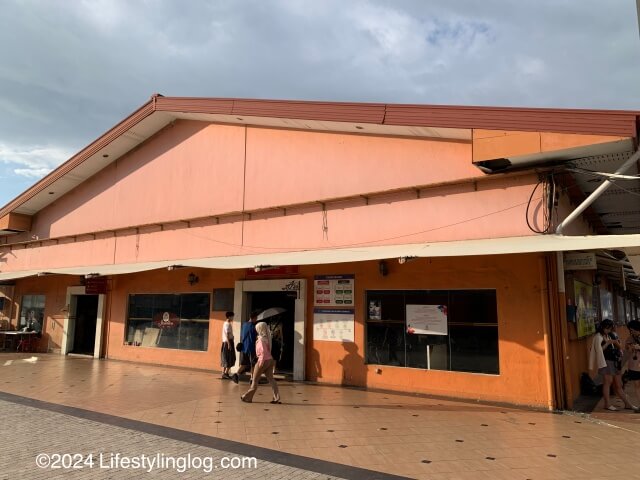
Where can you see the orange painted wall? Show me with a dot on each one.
(288, 166)
(492, 209)
(196, 169)
(164, 281)
(523, 371)
(188, 170)
(516, 278)
(55, 290)
(491, 144)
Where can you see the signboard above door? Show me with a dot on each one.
(264, 271)
(580, 261)
(95, 286)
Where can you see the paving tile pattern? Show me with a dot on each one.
(417, 437)
(29, 431)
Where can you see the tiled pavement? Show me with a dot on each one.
(323, 428)
(41, 444)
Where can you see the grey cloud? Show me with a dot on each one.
(74, 69)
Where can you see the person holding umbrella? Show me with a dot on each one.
(271, 316)
(248, 351)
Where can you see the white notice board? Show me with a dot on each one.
(333, 324)
(427, 319)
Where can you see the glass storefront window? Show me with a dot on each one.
(470, 343)
(32, 312)
(179, 321)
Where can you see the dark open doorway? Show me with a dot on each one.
(84, 336)
(282, 325)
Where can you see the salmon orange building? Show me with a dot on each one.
(426, 249)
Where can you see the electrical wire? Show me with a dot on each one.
(548, 196)
(630, 192)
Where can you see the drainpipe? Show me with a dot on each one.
(596, 193)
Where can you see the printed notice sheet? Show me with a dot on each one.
(427, 319)
(333, 324)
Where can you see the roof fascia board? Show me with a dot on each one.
(596, 122)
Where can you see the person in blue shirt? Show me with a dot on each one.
(248, 336)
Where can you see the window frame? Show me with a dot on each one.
(406, 295)
(22, 315)
(206, 320)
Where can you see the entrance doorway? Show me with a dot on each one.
(287, 293)
(282, 325)
(84, 334)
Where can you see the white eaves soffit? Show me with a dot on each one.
(155, 122)
(463, 134)
(498, 246)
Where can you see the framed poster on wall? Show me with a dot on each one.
(620, 314)
(606, 304)
(585, 311)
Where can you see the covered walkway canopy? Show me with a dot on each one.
(530, 244)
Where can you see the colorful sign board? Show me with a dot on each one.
(333, 313)
(334, 291)
(585, 311)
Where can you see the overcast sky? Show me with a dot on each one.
(71, 69)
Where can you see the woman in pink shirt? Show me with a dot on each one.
(265, 364)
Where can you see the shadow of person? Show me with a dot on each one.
(315, 367)
(354, 370)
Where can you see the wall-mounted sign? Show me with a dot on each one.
(580, 261)
(606, 304)
(585, 311)
(334, 291)
(427, 320)
(223, 299)
(282, 271)
(95, 286)
(333, 324)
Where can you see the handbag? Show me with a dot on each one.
(239, 347)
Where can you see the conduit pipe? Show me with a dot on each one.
(596, 193)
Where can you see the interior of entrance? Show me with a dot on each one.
(281, 325)
(84, 335)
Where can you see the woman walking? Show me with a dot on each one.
(605, 355)
(264, 365)
(227, 351)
